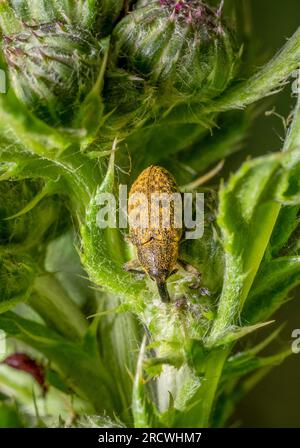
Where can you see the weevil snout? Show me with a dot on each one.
(163, 291)
(160, 277)
(156, 261)
(152, 258)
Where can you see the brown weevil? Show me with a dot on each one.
(157, 246)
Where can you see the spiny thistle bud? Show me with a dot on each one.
(181, 47)
(97, 15)
(52, 69)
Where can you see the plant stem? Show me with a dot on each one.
(198, 415)
(213, 371)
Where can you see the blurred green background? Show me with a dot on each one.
(275, 402)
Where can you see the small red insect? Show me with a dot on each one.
(21, 361)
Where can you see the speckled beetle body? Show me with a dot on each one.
(157, 246)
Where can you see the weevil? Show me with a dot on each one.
(157, 247)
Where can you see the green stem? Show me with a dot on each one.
(199, 414)
(53, 304)
(213, 371)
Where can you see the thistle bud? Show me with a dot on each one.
(98, 16)
(52, 69)
(181, 47)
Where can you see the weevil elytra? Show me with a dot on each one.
(158, 246)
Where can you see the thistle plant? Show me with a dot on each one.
(97, 91)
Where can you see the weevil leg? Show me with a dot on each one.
(127, 239)
(188, 267)
(175, 270)
(134, 266)
(191, 270)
